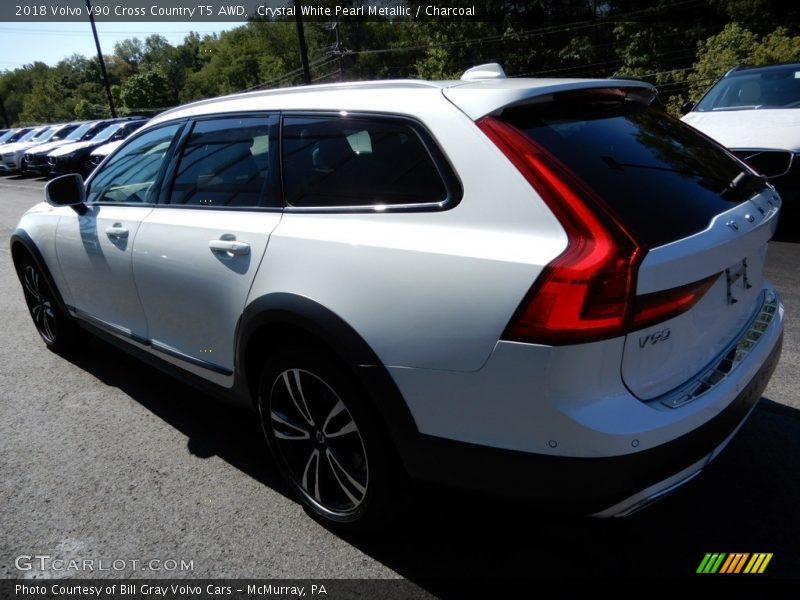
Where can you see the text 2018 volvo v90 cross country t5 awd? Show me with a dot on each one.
(543, 287)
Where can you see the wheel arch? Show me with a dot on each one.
(277, 318)
(21, 242)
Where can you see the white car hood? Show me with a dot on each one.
(107, 149)
(761, 128)
(61, 151)
(49, 146)
(17, 146)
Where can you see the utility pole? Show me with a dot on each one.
(100, 58)
(3, 112)
(298, 17)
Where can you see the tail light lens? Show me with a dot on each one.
(660, 306)
(589, 291)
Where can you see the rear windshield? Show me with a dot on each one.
(664, 180)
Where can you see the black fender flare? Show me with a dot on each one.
(21, 237)
(300, 312)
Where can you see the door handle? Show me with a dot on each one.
(231, 247)
(117, 231)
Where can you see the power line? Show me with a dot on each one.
(322, 61)
(13, 30)
(513, 36)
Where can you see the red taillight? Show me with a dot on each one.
(589, 291)
(586, 292)
(660, 306)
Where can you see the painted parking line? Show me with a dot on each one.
(3, 184)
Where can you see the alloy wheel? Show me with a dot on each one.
(319, 441)
(40, 304)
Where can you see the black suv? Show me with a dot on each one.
(76, 157)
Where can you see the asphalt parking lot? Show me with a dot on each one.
(104, 458)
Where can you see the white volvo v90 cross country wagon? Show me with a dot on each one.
(544, 287)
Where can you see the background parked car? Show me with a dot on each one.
(75, 158)
(755, 112)
(55, 134)
(36, 156)
(13, 153)
(98, 154)
(13, 135)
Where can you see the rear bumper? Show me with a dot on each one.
(556, 431)
(605, 486)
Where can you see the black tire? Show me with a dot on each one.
(328, 442)
(58, 331)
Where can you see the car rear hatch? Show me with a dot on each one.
(683, 231)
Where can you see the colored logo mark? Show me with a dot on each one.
(735, 562)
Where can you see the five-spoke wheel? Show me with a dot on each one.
(58, 330)
(40, 303)
(319, 441)
(327, 439)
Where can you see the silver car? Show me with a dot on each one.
(755, 111)
(543, 287)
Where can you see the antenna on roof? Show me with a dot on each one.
(487, 71)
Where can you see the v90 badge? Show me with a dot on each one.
(651, 339)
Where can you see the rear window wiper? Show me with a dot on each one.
(746, 182)
(621, 166)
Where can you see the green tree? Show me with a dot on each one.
(148, 89)
(579, 50)
(16, 85)
(761, 16)
(44, 103)
(130, 52)
(84, 110)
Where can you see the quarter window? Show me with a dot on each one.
(343, 161)
(226, 162)
(129, 175)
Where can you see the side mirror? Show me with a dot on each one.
(687, 107)
(67, 190)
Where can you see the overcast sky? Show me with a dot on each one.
(25, 43)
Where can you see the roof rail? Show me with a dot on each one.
(487, 71)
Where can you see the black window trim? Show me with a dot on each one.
(444, 168)
(158, 183)
(166, 176)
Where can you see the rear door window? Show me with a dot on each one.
(663, 179)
